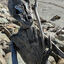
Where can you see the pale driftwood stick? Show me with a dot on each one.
(60, 52)
(39, 23)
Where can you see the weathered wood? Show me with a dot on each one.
(28, 46)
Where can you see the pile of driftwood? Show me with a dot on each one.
(32, 43)
(30, 40)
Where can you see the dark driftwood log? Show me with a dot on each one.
(28, 44)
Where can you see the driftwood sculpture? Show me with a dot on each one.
(32, 44)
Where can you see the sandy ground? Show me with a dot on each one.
(50, 8)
